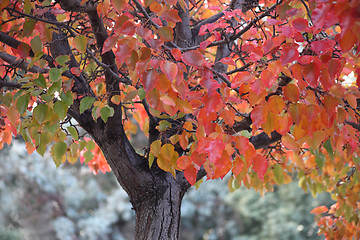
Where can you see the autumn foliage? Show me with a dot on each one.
(263, 95)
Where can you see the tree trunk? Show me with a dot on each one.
(155, 195)
(158, 216)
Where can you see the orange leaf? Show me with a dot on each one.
(166, 99)
(163, 84)
(238, 165)
(276, 104)
(291, 93)
(171, 15)
(118, 5)
(184, 162)
(167, 33)
(319, 210)
(347, 40)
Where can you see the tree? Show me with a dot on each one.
(255, 88)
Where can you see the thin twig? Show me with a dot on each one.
(107, 68)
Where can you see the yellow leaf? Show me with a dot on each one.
(155, 147)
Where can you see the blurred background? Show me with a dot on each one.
(38, 201)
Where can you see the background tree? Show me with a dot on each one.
(252, 88)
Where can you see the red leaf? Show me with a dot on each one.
(260, 166)
(300, 24)
(193, 58)
(228, 61)
(311, 73)
(169, 69)
(123, 51)
(144, 32)
(242, 77)
(176, 54)
(289, 53)
(322, 46)
(23, 50)
(258, 115)
(358, 77)
(128, 28)
(149, 80)
(204, 44)
(110, 43)
(190, 174)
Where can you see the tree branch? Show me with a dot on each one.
(262, 140)
(107, 68)
(12, 42)
(9, 84)
(22, 64)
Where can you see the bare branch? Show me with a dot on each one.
(241, 69)
(59, 24)
(20, 63)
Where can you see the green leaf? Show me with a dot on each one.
(67, 98)
(163, 125)
(23, 102)
(44, 139)
(151, 159)
(54, 74)
(90, 145)
(82, 144)
(320, 159)
(86, 103)
(88, 156)
(141, 93)
(73, 133)
(58, 150)
(41, 112)
(62, 59)
(80, 43)
(60, 109)
(278, 174)
(106, 112)
(36, 44)
(40, 81)
(55, 87)
(28, 27)
(328, 147)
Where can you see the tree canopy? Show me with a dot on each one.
(262, 90)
